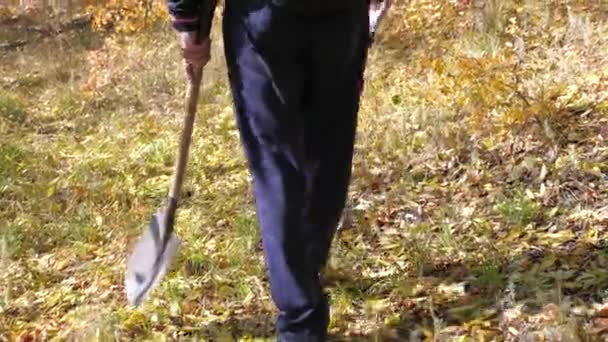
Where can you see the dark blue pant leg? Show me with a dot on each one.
(336, 84)
(295, 83)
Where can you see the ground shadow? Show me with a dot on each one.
(257, 326)
(578, 274)
(480, 300)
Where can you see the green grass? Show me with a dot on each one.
(11, 108)
(519, 210)
(457, 230)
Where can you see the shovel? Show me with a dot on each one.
(376, 15)
(158, 245)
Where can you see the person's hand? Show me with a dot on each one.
(196, 56)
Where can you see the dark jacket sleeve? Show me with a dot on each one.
(185, 14)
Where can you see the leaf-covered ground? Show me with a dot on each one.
(478, 209)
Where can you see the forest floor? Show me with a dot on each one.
(478, 209)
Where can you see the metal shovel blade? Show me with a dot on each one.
(376, 15)
(151, 258)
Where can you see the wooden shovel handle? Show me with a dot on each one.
(194, 77)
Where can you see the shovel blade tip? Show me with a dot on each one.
(147, 265)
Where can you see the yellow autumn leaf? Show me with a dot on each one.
(592, 79)
(558, 238)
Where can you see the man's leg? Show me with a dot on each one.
(274, 62)
(332, 107)
(334, 84)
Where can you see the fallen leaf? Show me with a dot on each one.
(513, 331)
(602, 311)
(600, 323)
(543, 173)
(453, 290)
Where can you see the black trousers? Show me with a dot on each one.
(296, 82)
